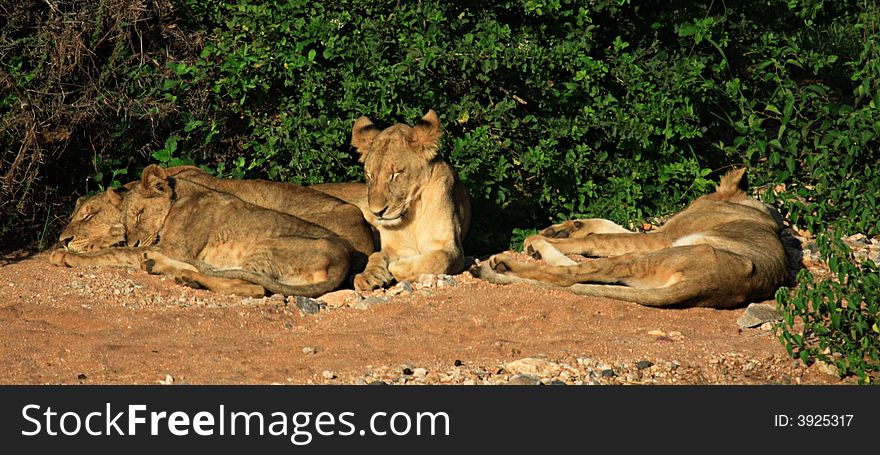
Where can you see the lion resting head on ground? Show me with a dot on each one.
(95, 223)
(211, 239)
(413, 199)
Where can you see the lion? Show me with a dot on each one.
(721, 251)
(211, 239)
(413, 198)
(96, 220)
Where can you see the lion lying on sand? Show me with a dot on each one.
(215, 240)
(721, 251)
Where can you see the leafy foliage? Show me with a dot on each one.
(840, 316)
(552, 109)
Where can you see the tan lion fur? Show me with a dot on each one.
(96, 220)
(721, 251)
(413, 198)
(215, 240)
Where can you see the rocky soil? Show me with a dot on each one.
(123, 326)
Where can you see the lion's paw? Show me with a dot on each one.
(371, 279)
(530, 245)
(501, 263)
(58, 257)
(562, 230)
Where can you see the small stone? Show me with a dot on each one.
(427, 280)
(400, 288)
(457, 363)
(757, 314)
(368, 302)
(308, 350)
(420, 373)
(307, 305)
(327, 374)
(523, 379)
(378, 383)
(642, 364)
(657, 333)
(533, 366)
(407, 370)
(82, 377)
(767, 326)
(338, 299)
(827, 368)
(609, 373)
(445, 280)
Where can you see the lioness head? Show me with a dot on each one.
(95, 223)
(397, 163)
(145, 207)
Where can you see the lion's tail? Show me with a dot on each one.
(654, 297)
(274, 287)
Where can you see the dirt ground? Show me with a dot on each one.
(123, 326)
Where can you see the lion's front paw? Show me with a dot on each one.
(58, 257)
(371, 279)
(501, 263)
(562, 230)
(530, 245)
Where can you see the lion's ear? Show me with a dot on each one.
(362, 135)
(425, 135)
(154, 181)
(115, 197)
(733, 181)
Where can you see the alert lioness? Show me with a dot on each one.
(96, 222)
(215, 240)
(414, 200)
(721, 251)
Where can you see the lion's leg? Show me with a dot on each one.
(686, 275)
(220, 285)
(583, 227)
(605, 245)
(185, 273)
(158, 264)
(120, 257)
(296, 261)
(375, 275)
(283, 265)
(432, 262)
(657, 269)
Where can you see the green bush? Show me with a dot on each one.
(835, 320)
(552, 109)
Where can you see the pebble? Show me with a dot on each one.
(308, 350)
(757, 314)
(338, 299)
(523, 379)
(533, 366)
(307, 305)
(609, 373)
(327, 374)
(400, 288)
(420, 373)
(370, 301)
(642, 364)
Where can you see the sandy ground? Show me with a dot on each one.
(123, 326)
